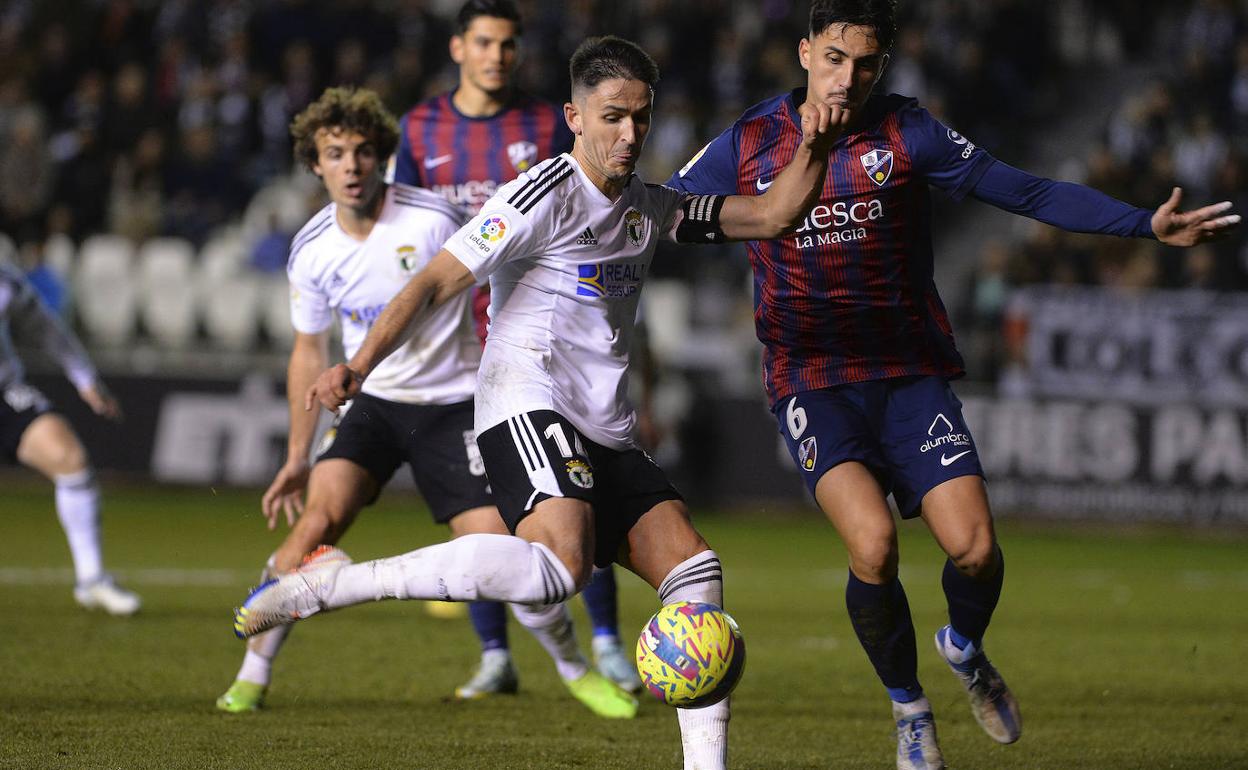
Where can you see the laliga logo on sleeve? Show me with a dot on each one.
(494, 229)
(878, 165)
(491, 230)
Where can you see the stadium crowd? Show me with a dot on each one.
(153, 119)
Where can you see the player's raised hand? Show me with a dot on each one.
(101, 402)
(1188, 228)
(333, 387)
(286, 493)
(822, 124)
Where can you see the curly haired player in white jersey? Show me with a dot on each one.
(39, 438)
(349, 261)
(567, 246)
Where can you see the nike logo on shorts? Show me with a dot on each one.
(951, 460)
(762, 186)
(438, 161)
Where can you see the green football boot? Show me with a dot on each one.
(242, 697)
(602, 696)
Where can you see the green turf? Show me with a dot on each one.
(1125, 649)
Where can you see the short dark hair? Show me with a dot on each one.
(880, 15)
(495, 9)
(347, 109)
(606, 58)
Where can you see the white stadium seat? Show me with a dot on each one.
(58, 254)
(275, 311)
(105, 290)
(229, 292)
(167, 292)
(666, 312)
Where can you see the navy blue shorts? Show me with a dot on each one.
(908, 432)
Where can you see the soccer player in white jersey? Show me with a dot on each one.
(567, 247)
(349, 261)
(35, 436)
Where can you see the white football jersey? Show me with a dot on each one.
(566, 267)
(333, 274)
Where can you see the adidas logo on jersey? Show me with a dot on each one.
(587, 238)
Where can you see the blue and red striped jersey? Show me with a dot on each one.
(850, 297)
(466, 159)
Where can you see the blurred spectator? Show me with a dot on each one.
(25, 173)
(136, 199)
(201, 187)
(82, 181)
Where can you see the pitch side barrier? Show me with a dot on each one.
(1120, 406)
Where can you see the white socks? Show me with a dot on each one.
(704, 731)
(552, 626)
(78, 508)
(498, 567)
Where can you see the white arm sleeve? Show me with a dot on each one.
(310, 312)
(498, 234)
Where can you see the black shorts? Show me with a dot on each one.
(436, 440)
(20, 405)
(539, 455)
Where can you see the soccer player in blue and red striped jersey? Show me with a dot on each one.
(465, 144)
(859, 350)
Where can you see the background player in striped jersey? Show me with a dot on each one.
(349, 261)
(35, 436)
(859, 350)
(464, 145)
(555, 426)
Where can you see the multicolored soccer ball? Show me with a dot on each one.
(690, 654)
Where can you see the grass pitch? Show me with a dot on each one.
(1126, 650)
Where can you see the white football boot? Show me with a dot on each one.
(293, 596)
(613, 663)
(495, 676)
(105, 594)
(917, 748)
(992, 703)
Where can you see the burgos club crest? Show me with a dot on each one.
(635, 226)
(407, 258)
(580, 474)
(879, 165)
(488, 234)
(522, 155)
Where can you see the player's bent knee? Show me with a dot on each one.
(875, 563)
(978, 560)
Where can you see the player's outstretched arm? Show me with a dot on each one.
(794, 191)
(1188, 228)
(1080, 209)
(443, 278)
(308, 357)
(97, 396)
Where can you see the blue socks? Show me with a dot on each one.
(601, 601)
(971, 602)
(880, 615)
(490, 621)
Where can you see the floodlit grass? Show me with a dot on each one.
(1125, 650)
